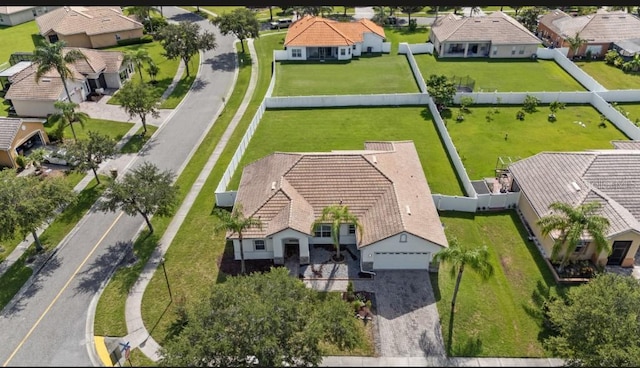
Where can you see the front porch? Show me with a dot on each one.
(466, 49)
(322, 53)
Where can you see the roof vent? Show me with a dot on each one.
(273, 185)
(375, 159)
(575, 186)
(45, 80)
(408, 210)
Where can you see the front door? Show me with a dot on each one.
(619, 252)
(291, 248)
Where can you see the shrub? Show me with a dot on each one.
(611, 56)
(21, 162)
(530, 104)
(135, 41)
(520, 115)
(413, 24)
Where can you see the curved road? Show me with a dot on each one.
(48, 324)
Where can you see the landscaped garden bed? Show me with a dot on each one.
(363, 75)
(324, 130)
(481, 141)
(503, 75)
(575, 272)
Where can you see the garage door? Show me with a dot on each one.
(401, 260)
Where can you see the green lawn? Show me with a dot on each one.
(480, 143)
(609, 76)
(114, 129)
(632, 111)
(19, 272)
(502, 316)
(364, 75)
(309, 130)
(398, 35)
(504, 75)
(167, 67)
(135, 143)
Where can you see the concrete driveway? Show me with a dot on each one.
(406, 315)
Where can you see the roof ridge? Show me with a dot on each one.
(586, 169)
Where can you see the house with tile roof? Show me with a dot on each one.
(601, 30)
(17, 135)
(496, 35)
(610, 177)
(13, 15)
(88, 26)
(384, 186)
(317, 38)
(101, 70)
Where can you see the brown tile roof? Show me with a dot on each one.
(318, 31)
(70, 20)
(94, 62)
(611, 177)
(8, 130)
(497, 27)
(601, 27)
(626, 145)
(384, 186)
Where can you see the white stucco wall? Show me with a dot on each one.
(112, 80)
(393, 244)
(505, 51)
(33, 108)
(274, 246)
(372, 40)
(347, 53)
(303, 51)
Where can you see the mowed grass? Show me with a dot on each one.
(114, 129)
(632, 110)
(364, 75)
(504, 75)
(500, 317)
(323, 130)
(399, 35)
(480, 143)
(609, 76)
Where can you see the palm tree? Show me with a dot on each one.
(236, 223)
(49, 56)
(67, 115)
(477, 259)
(137, 58)
(337, 215)
(572, 223)
(575, 43)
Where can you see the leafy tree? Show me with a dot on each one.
(530, 104)
(137, 58)
(27, 202)
(411, 9)
(236, 223)
(92, 152)
(241, 22)
(67, 116)
(611, 56)
(266, 319)
(153, 71)
(144, 190)
(37, 156)
(516, 9)
(183, 40)
(477, 259)
(465, 102)
(50, 56)
(575, 43)
(554, 107)
(336, 215)
(571, 223)
(138, 100)
(345, 10)
(442, 90)
(598, 324)
(529, 17)
(632, 65)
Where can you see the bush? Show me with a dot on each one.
(611, 56)
(530, 104)
(21, 162)
(520, 115)
(154, 25)
(137, 40)
(413, 24)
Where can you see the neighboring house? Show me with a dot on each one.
(384, 186)
(496, 35)
(316, 38)
(101, 70)
(611, 177)
(17, 135)
(91, 26)
(601, 30)
(13, 15)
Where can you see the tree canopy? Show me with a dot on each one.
(50, 56)
(183, 40)
(241, 22)
(442, 90)
(236, 222)
(599, 323)
(139, 101)
(145, 190)
(67, 116)
(268, 319)
(91, 152)
(336, 215)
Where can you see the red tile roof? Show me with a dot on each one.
(318, 31)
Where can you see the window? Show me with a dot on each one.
(582, 246)
(258, 244)
(354, 47)
(323, 231)
(352, 229)
(342, 52)
(35, 14)
(521, 52)
(403, 238)
(296, 52)
(495, 50)
(53, 38)
(117, 37)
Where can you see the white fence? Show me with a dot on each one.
(417, 48)
(414, 66)
(222, 196)
(615, 117)
(560, 57)
(516, 98)
(347, 100)
(625, 95)
(280, 55)
(386, 47)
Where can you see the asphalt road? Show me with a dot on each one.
(48, 326)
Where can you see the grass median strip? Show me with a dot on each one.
(137, 141)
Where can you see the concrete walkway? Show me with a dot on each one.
(138, 336)
(99, 110)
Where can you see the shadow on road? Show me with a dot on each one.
(190, 17)
(198, 84)
(36, 283)
(100, 269)
(225, 62)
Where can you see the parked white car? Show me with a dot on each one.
(58, 157)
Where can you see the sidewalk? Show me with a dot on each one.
(99, 110)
